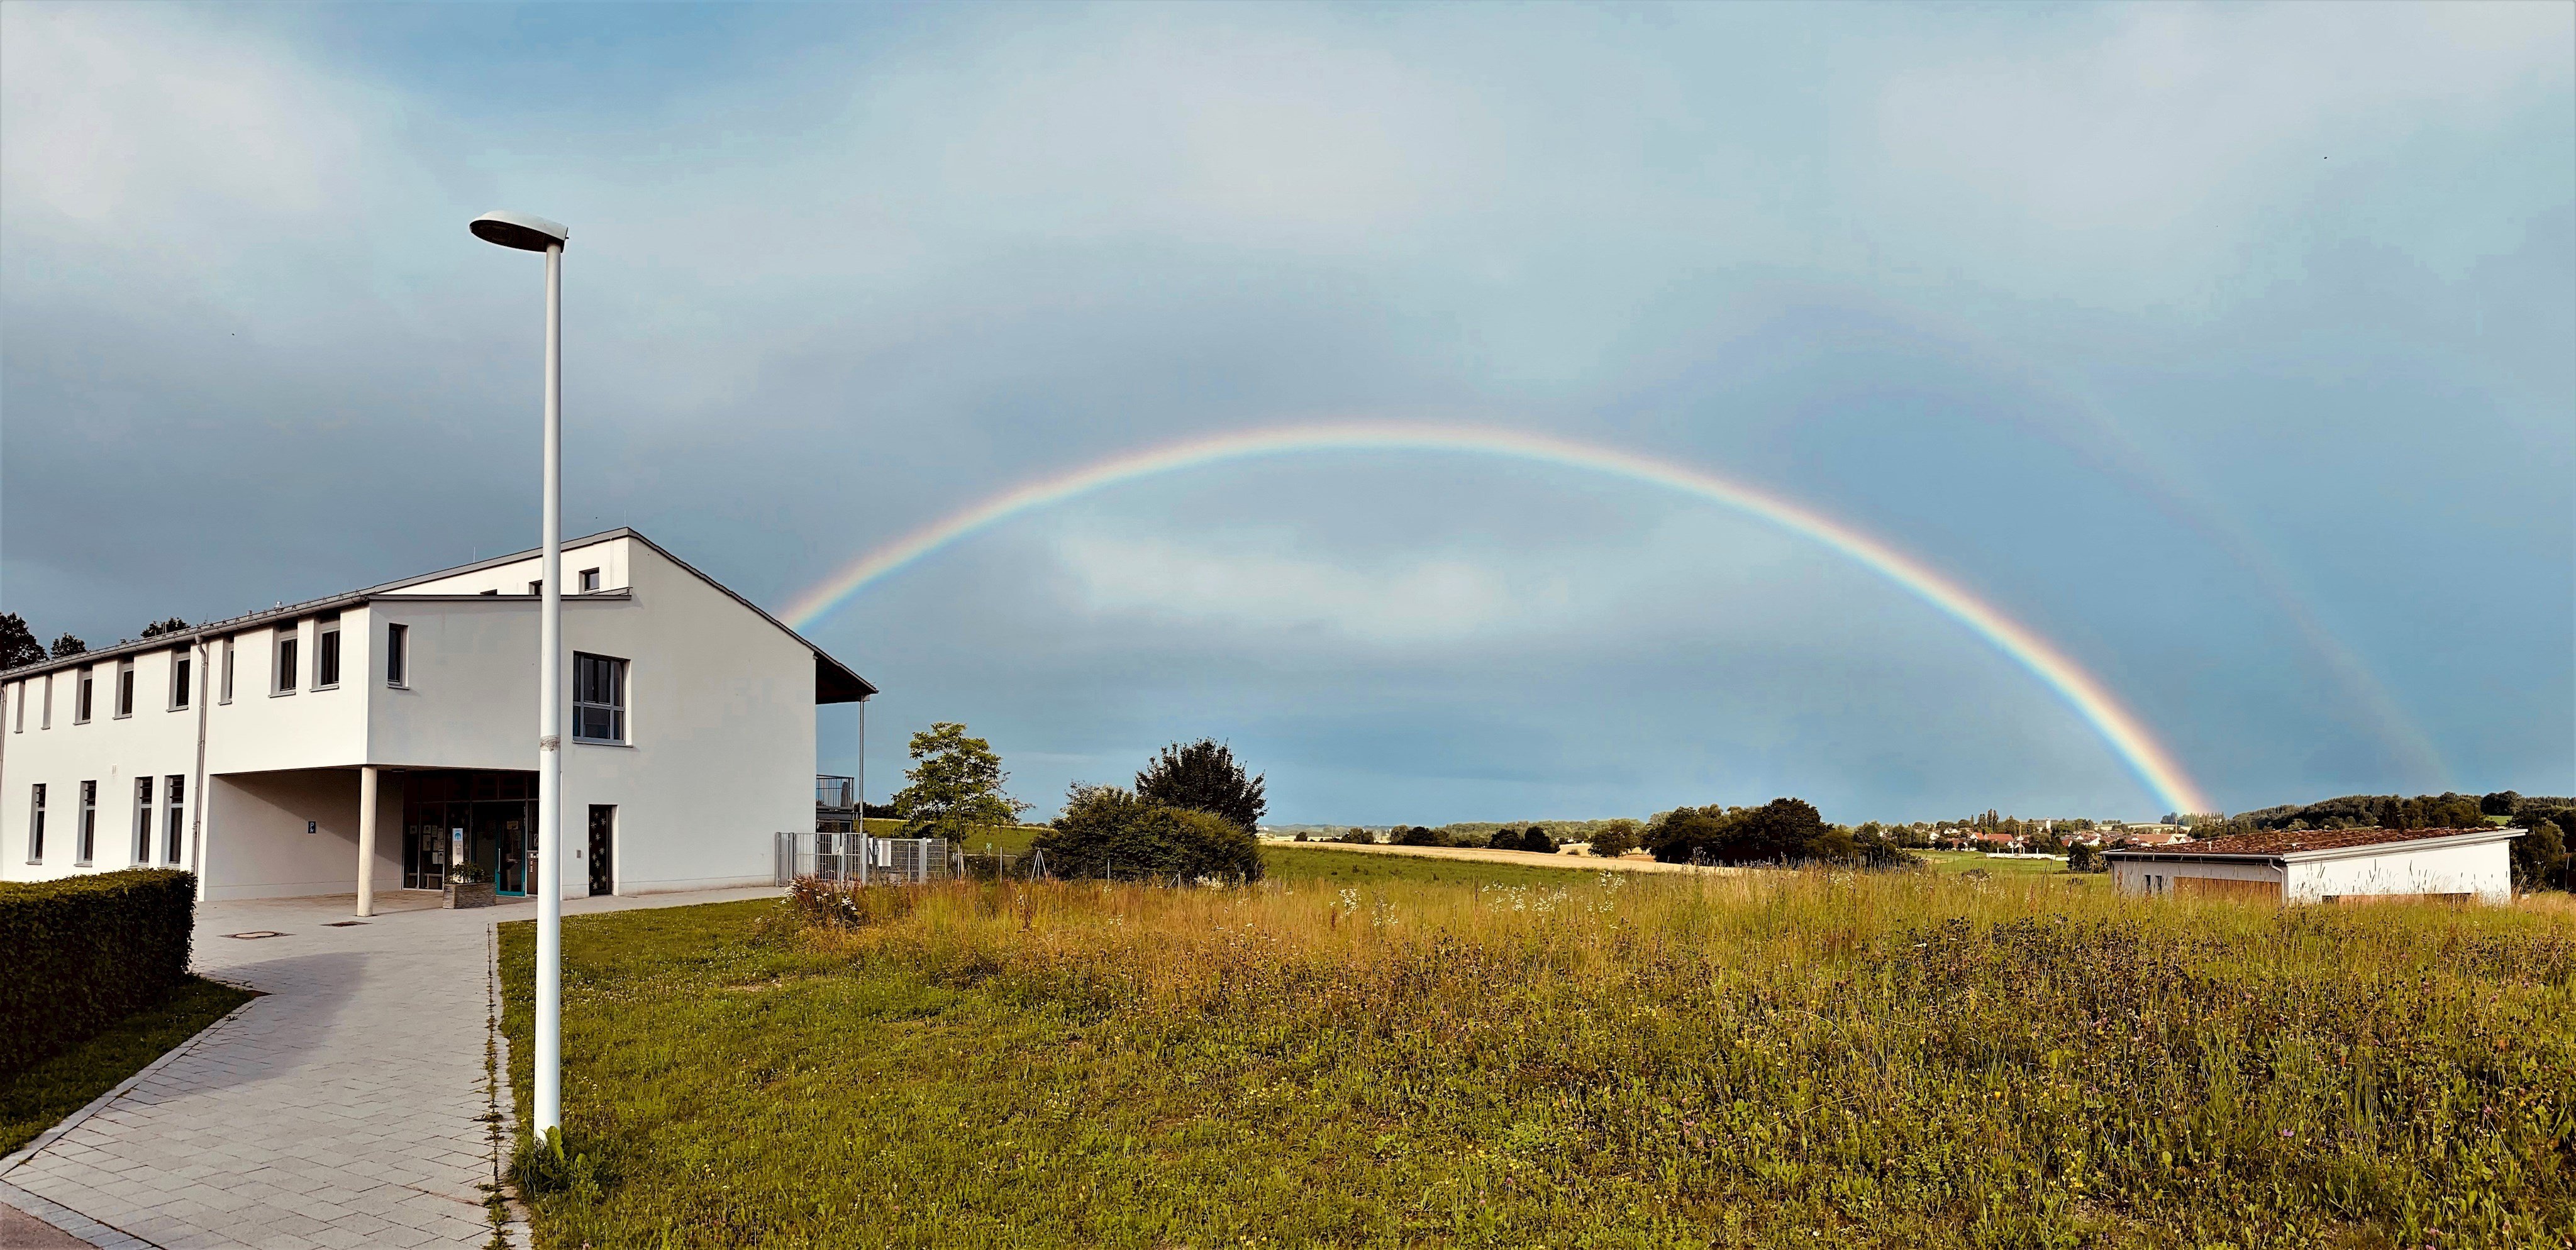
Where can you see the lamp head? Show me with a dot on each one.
(519, 230)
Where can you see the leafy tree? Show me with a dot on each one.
(1616, 838)
(1536, 839)
(159, 628)
(1203, 775)
(68, 645)
(1357, 836)
(1108, 832)
(2083, 857)
(2500, 803)
(1780, 831)
(956, 785)
(18, 645)
(1415, 836)
(2541, 859)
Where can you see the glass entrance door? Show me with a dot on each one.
(505, 828)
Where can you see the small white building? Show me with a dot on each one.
(2327, 866)
(240, 749)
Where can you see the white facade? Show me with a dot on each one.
(2460, 864)
(710, 732)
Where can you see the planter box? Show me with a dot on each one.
(476, 895)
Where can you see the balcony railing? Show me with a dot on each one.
(835, 794)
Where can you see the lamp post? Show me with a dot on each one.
(536, 234)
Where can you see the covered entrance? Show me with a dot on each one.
(492, 814)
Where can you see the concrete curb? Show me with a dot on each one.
(64, 1219)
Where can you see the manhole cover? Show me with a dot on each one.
(257, 933)
(342, 924)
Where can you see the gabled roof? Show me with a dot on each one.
(834, 682)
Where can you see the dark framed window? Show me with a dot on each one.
(283, 678)
(124, 688)
(36, 825)
(326, 653)
(537, 587)
(598, 698)
(225, 695)
(88, 824)
(142, 820)
(397, 655)
(181, 665)
(174, 808)
(81, 697)
(45, 715)
(589, 580)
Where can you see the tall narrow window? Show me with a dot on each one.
(397, 655)
(226, 694)
(20, 711)
(326, 653)
(45, 715)
(36, 826)
(174, 809)
(283, 676)
(88, 831)
(181, 663)
(143, 820)
(598, 698)
(124, 688)
(81, 697)
(589, 581)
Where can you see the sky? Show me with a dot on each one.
(2229, 349)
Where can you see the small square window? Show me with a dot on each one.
(537, 587)
(589, 581)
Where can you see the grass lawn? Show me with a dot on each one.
(1785, 1059)
(38, 1098)
(1962, 861)
(1294, 863)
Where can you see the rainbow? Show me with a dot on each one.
(2119, 728)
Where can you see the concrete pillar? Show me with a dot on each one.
(367, 840)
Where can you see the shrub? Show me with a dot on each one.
(846, 904)
(2083, 858)
(1107, 832)
(85, 952)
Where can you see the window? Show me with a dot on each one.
(174, 789)
(282, 673)
(598, 698)
(536, 588)
(397, 655)
(80, 698)
(124, 688)
(36, 827)
(142, 820)
(589, 581)
(20, 711)
(181, 663)
(494, 591)
(226, 694)
(45, 716)
(326, 653)
(88, 824)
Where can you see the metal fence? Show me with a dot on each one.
(856, 857)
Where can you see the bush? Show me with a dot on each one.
(85, 952)
(1107, 832)
(845, 904)
(2083, 858)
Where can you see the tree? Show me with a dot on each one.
(1415, 836)
(956, 785)
(18, 645)
(2083, 857)
(1356, 836)
(1203, 775)
(1106, 832)
(68, 645)
(1616, 838)
(2540, 858)
(1536, 839)
(1780, 831)
(158, 628)
(2500, 803)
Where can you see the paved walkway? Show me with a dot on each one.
(344, 1108)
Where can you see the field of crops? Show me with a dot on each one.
(1784, 1059)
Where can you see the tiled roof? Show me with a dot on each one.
(2287, 841)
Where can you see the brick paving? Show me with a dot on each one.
(341, 1109)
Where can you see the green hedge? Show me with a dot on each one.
(85, 952)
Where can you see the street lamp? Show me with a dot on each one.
(536, 234)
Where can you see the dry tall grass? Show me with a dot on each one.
(1866, 1059)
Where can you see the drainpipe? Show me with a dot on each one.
(197, 810)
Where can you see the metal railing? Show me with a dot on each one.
(857, 857)
(838, 794)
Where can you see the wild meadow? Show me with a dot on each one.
(1777, 1059)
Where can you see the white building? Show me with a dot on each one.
(241, 749)
(2328, 866)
